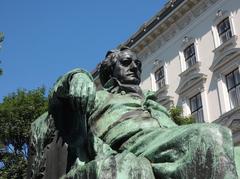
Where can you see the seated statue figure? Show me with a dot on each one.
(122, 133)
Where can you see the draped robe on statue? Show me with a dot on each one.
(126, 134)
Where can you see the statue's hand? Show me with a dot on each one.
(82, 92)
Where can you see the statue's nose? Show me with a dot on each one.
(133, 65)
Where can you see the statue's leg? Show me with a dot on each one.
(114, 166)
(190, 151)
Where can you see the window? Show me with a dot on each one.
(224, 30)
(189, 55)
(159, 77)
(233, 87)
(196, 107)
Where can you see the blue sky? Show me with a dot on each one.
(44, 39)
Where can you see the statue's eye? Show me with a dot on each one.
(138, 63)
(126, 62)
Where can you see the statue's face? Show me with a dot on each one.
(128, 68)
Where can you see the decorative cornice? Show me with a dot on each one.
(224, 118)
(225, 58)
(221, 15)
(188, 83)
(191, 70)
(231, 119)
(186, 41)
(145, 28)
(166, 101)
(168, 27)
(229, 44)
(162, 91)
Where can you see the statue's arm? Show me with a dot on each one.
(77, 89)
(70, 104)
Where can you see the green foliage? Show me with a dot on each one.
(1, 36)
(14, 166)
(17, 112)
(1, 40)
(178, 118)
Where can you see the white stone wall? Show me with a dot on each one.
(201, 29)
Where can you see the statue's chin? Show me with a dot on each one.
(131, 81)
(137, 82)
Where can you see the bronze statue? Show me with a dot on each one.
(121, 132)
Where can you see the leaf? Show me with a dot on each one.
(176, 114)
(1, 37)
(17, 111)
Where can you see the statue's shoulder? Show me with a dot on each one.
(69, 74)
(149, 94)
(102, 92)
(40, 123)
(61, 86)
(102, 95)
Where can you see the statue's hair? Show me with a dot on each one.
(108, 64)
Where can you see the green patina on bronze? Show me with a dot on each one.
(120, 132)
(237, 158)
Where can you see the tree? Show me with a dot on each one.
(1, 40)
(1, 36)
(1, 71)
(176, 115)
(17, 112)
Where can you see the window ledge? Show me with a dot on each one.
(227, 59)
(231, 119)
(162, 90)
(229, 113)
(190, 83)
(193, 69)
(166, 101)
(230, 43)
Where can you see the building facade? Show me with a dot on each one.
(190, 53)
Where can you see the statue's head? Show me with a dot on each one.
(123, 65)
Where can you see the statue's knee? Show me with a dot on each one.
(214, 133)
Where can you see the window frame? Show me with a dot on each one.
(160, 79)
(157, 64)
(192, 57)
(186, 42)
(217, 20)
(225, 31)
(199, 108)
(235, 86)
